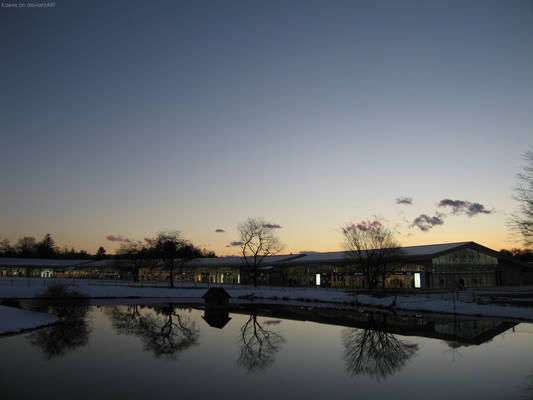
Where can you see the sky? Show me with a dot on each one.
(123, 118)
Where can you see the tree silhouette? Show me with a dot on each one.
(100, 253)
(376, 353)
(374, 251)
(47, 247)
(135, 253)
(522, 221)
(26, 246)
(257, 345)
(258, 241)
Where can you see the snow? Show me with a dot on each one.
(24, 288)
(14, 320)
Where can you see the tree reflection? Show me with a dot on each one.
(257, 345)
(126, 320)
(70, 332)
(376, 353)
(163, 331)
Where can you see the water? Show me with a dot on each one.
(265, 352)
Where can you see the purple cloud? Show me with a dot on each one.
(235, 244)
(219, 230)
(272, 226)
(118, 238)
(362, 226)
(425, 222)
(367, 225)
(464, 207)
(404, 200)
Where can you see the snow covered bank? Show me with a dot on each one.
(14, 320)
(25, 288)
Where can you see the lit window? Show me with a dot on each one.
(317, 279)
(417, 280)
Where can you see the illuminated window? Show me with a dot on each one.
(317, 279)
(418, 283)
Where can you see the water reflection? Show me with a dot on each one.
(69, 333)
(217, 317)
(258, 345)
(528, 388)
(163, 331)
(371, 343)
(376, 353)
(312, 353)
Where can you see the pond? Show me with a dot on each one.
(167, 351)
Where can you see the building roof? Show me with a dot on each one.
(410, 252)
(41, 262)
(425, 251)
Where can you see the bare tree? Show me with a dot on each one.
(166, 247)
(258, 241)
(26, 246)
(174, 251)
(5, 248)
(522, 221)
(373, 250)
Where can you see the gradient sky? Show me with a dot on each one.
(128, 117)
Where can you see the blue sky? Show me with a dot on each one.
(125, 118)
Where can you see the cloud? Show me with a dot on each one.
(149, 240)
(119, 238)
(404, 200)
(272, 226)
(362, 226)
(425, 222)
(219, 230)
(235, 244)
(464, 207)
(367, 225)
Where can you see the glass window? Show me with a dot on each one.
(418, 283)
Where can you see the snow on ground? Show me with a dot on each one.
(15, 320)
(423, 302)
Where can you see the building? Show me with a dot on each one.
(438, 266)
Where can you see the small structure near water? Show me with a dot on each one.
(216, 297)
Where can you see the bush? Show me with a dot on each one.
(59, 291)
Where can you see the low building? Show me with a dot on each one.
(437, 266)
